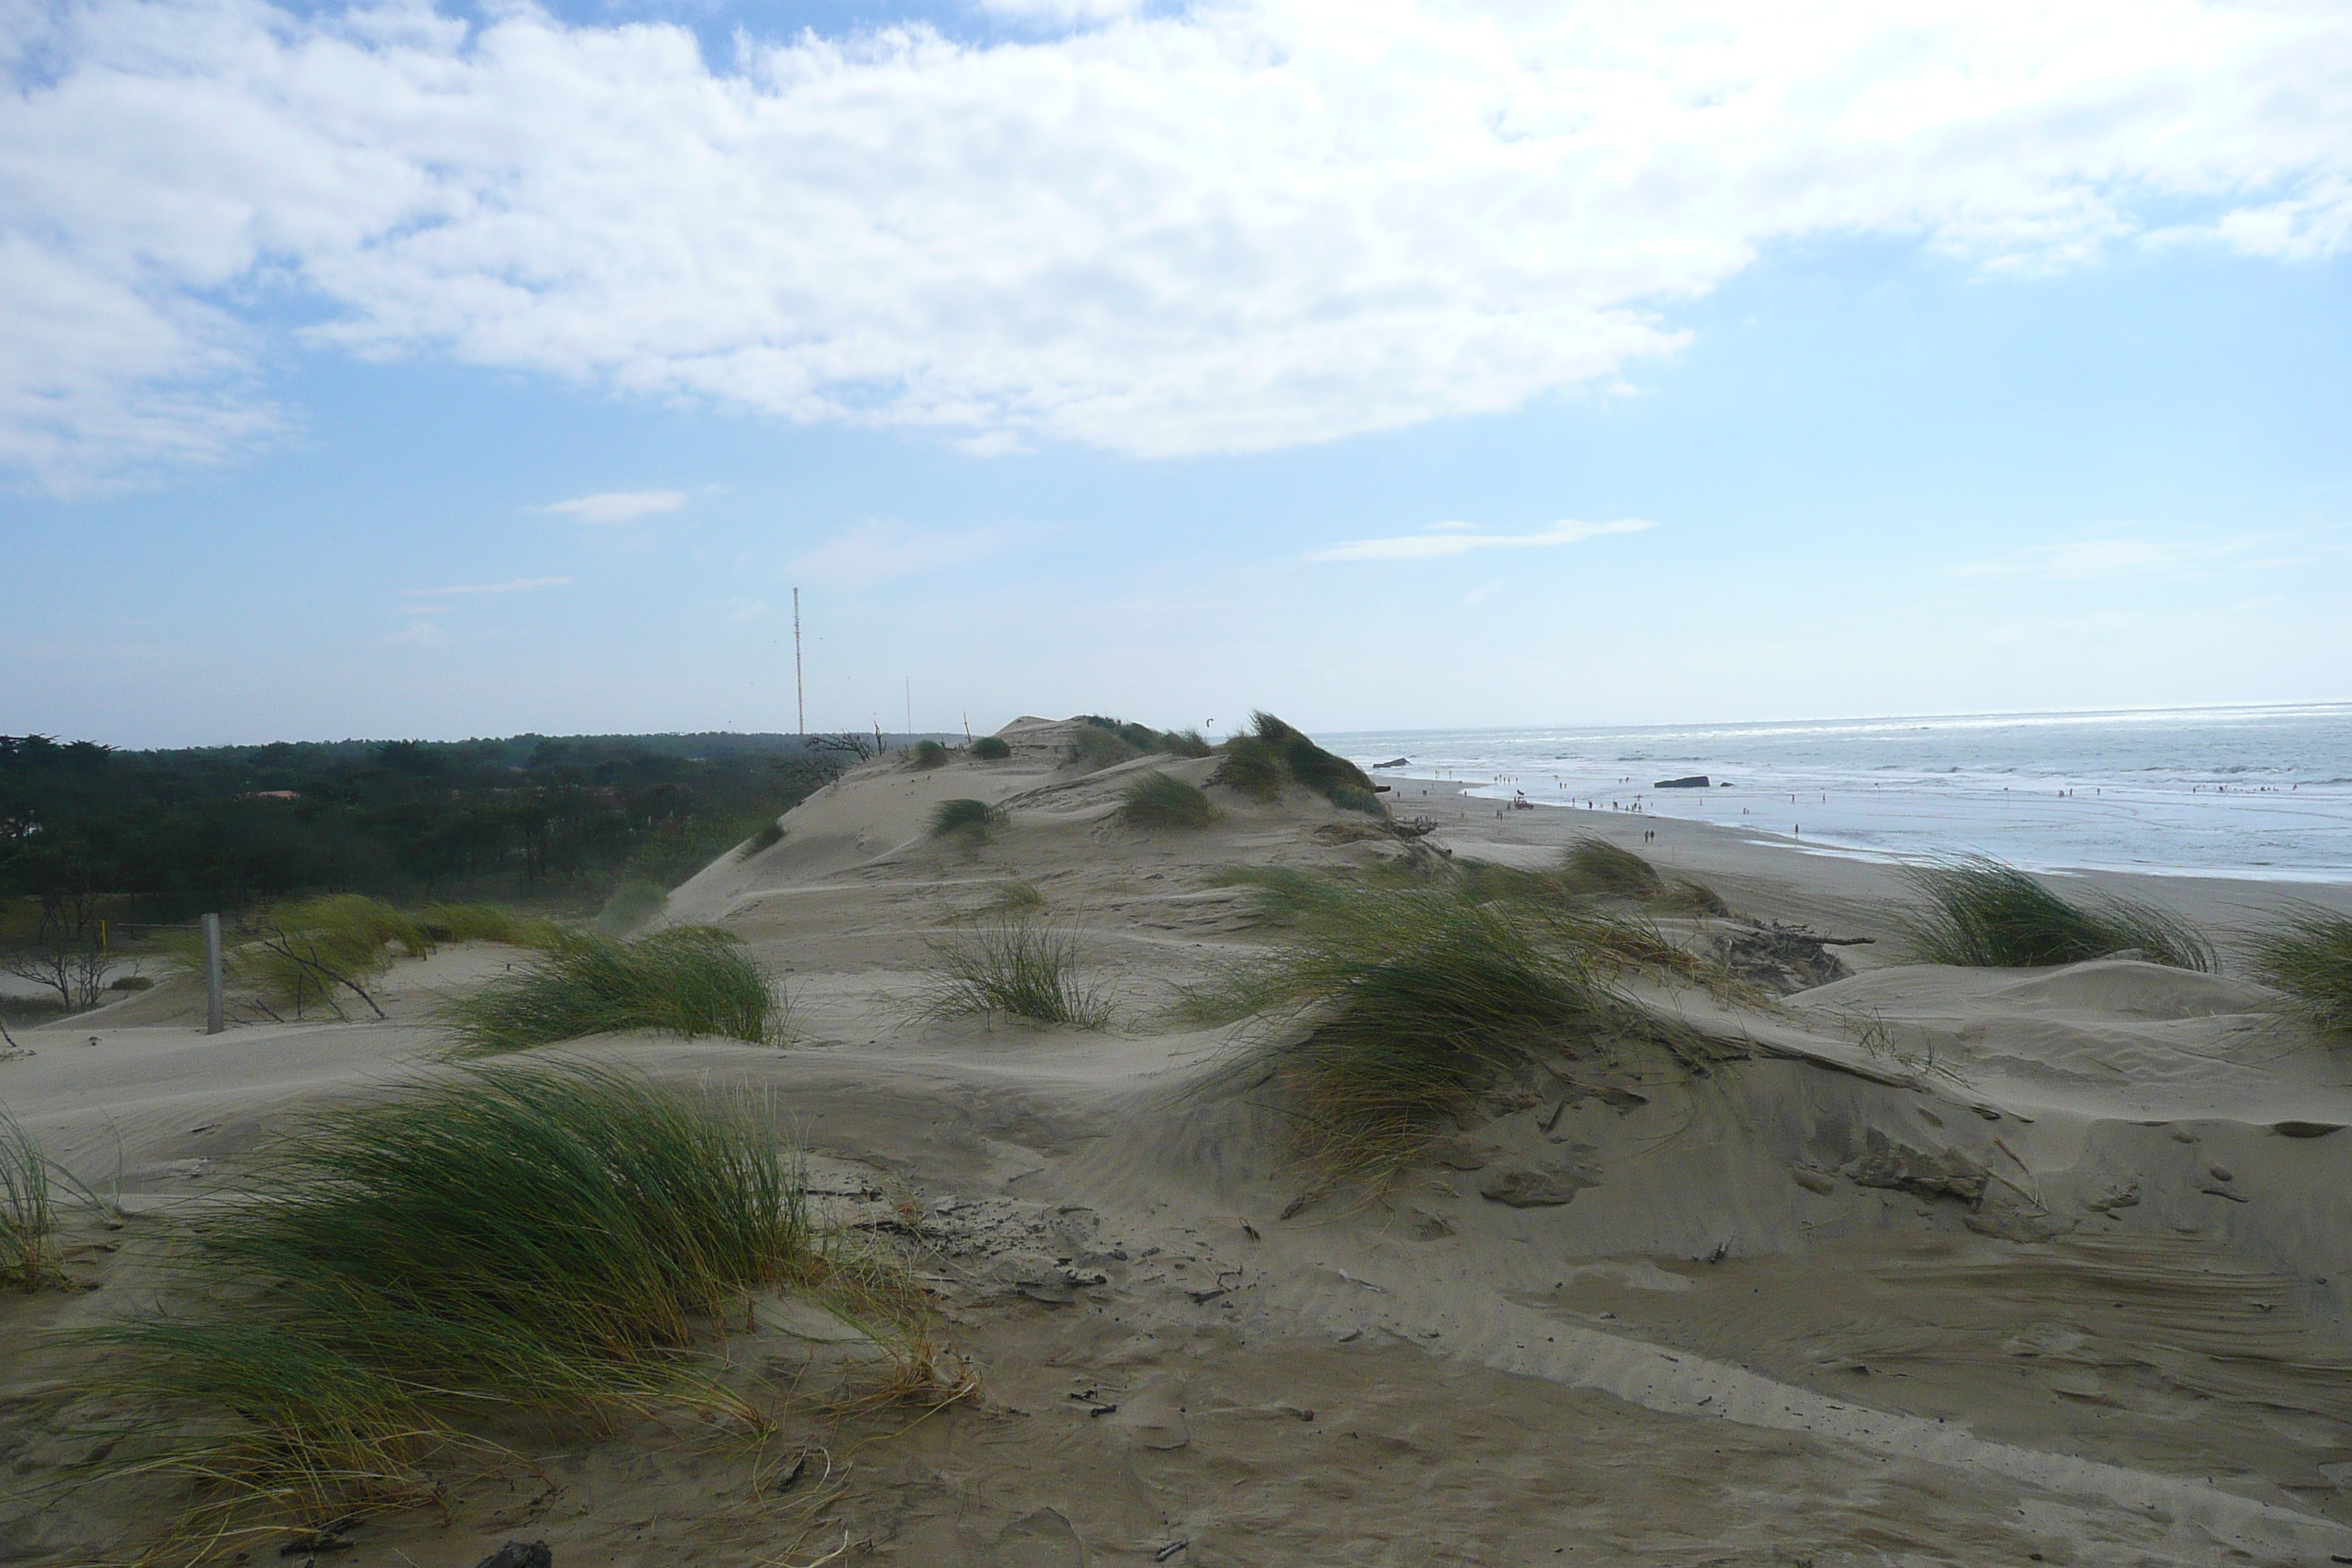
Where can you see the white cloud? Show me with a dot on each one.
(882, 552)
(617, 506)
(2084, 560)
(1245, 225)
(418, 633)
(513, 585)
(1456, 539)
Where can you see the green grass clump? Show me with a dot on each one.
(1160, 800)
(405, 1275)
(769, 836)
(1250, 766)
(1016, 966)
(1598, 866)
(688, 980)
(990, 749)
(1187, 744)
(929, 754)
(1982, 913)
(28, 1215)
(1257, 764)
(1386, 1013)
(2308, 955)
(969, 820)
(1094, 747)
(482, 923)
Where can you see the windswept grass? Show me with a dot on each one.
(1982, 913)
(1256, 763)
(1018, 967)
(688, 980)
(1187, 744)
(2308, 955)
(1388, 1010)
(969, 820)
(631, 905)
(1160, 800)
(929, 754)
(28, 1215)
(405, 1275)
(990, 749)
(442, 924)
(1596, 865)
(769, 835)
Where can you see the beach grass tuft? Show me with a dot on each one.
(1979, 912)
(1387, 1010)
(1160, 800)
(28, 1215)
(549, 1241)
(969, 820)
(769, 836)
(2308, 955)
(1025, 968)
(1257, 764)
(990, 749)
(929, 754)
(1595, 865)
(688, 980)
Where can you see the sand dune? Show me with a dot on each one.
(1943, 1267)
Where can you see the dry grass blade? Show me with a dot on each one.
(2308, 955)
(1980, 912)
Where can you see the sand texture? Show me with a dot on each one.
(1940, 1266)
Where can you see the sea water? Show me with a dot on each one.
(2260, 792)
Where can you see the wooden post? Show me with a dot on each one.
(212, 974)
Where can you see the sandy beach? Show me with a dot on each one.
(1936, 1266)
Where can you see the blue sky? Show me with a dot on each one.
(393, 372)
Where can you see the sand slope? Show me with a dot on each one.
(1953, 1267)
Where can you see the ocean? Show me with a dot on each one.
(2259, 792)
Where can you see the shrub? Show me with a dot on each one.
(543, 1240)
(2308, 955)
(929, 754)
(991, 749)
(1982, 913)
(1160, 800)
(688, 980)
(1019, 967)
(969, 820)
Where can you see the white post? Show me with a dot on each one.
(212, 975)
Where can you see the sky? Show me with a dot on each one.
(437, 370)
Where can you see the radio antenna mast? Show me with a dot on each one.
(800, 687)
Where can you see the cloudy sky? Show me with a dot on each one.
(444, 370)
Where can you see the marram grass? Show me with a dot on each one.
(1979, 912)
(1386, 1012)
(688, 980)
(2308, 955)
(1158, 801)
(1024, 968)
(969, 820)
(403, 1276)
